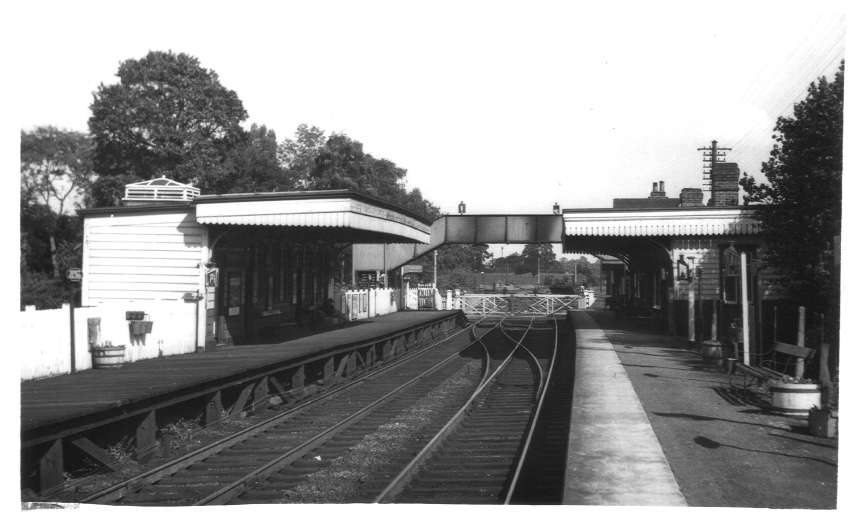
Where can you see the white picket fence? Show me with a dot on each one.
(589, 295)
(45, 335)
(423, 297)
(368, 303)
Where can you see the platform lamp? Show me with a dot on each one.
(461, 208)
(556, 208)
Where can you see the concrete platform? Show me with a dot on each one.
(614, 457)
(87, 396)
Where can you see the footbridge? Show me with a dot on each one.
(463, 229)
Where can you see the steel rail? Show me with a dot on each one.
(530, 435)
(224, 494)
(406, 474)
(121, 489)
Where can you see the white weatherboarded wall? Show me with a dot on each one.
(142, 256)
(146, 256)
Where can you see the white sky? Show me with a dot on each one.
(507, 106)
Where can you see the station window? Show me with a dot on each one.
(731, 273)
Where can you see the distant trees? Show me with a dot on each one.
(315, 162)
(537, 257)
(169, 116)
(800, 204)
(56, 170)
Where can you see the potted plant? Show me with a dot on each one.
(108, 355)
(794, 396)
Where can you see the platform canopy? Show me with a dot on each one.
(671, 222)
(342, 209)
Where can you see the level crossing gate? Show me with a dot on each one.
(519, 304)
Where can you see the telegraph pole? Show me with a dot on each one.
(710, 156)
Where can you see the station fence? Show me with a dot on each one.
(367, 303)
(45, 335)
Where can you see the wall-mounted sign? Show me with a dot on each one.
(367, 279)
(212, 277)
(407, 269)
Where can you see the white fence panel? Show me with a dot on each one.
(46, 345)
(368, 303)
(45, 342)
(173, 329)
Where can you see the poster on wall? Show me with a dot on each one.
(367, 279)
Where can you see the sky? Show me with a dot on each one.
(508, 106)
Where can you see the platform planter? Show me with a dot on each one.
(795, 399)
(108, 356)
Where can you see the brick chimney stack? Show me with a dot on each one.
(657, 190)
(725, 185)
(691, 197)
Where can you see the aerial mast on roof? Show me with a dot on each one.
(710, 156)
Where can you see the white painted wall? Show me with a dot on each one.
(45, 344)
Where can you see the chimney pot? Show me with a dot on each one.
(661, 186)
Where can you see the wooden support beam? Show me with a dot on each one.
(242, 400)
(278, 388)
(96, 452)
(260, 395)
(214, 409)
(146, 436)
(328, 371)
(51, 467)
(343, 368)
(352, 364)
(298, 378)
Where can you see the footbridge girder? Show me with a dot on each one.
(463, 229)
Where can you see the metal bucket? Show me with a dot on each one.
(108, 357)
(794, 398)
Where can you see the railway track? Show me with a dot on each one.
(221, 471)
(453, 424)
(479, 455)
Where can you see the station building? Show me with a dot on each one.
(663, 256)
(252, 264)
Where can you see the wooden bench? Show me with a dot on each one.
(762, 373)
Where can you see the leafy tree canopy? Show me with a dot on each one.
(801, 199)
(55, 167)
(55, 170)
(315, 162)
(542, 252)
(169, 116)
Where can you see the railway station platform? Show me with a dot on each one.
(62, 409)
(655, 424)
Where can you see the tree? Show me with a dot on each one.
(537, 257)
(511, 263)
(313, 162)
(55, 172)
(800, 204)
(298, 155)
(255, 166)
(169, 116)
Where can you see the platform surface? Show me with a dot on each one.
(614, 457)
(73, 396)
